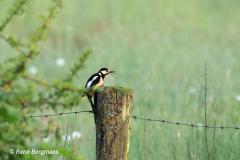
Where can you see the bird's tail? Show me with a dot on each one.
(86, 92)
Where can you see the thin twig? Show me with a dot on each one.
(205, 109)
(144, 137)
(189, 152)
(214, 142)
(46, 84)
(66, 138)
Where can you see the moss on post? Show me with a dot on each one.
(112, 118)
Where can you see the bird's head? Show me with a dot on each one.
(105, 71)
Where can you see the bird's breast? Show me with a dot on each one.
(100, 83)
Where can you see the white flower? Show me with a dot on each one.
(60, 62)
(178, 134)
(192, 90)
(238, 98)
(76, 135)
(200, 124)
(32, 70)
(68, 137)
(46, 139)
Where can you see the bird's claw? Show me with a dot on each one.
(93, 110)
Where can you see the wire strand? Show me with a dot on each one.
(184, 124)
(166, 122)
(58, 114)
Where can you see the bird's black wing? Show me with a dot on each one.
(93, 80)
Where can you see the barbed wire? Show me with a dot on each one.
(163, 121)
(177, 123)
(58, 114)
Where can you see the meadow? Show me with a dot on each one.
(158, 48)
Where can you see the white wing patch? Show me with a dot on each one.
(90, 82)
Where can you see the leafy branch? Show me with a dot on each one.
(17, 9)
(22, 94)
(19, 63)
(78, 65)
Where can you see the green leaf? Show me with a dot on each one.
(65, 152)
(7, 115)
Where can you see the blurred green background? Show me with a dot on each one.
(158, 48)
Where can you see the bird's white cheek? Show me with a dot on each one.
(104, 72)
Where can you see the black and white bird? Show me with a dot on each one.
(95, 81)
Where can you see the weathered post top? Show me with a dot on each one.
(112, 118)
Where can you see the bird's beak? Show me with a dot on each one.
(111, 71)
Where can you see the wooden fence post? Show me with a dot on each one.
(112, 119)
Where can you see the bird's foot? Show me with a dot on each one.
(93, 110)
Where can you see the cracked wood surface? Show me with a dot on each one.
(112, 121)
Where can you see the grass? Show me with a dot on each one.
(158, 49)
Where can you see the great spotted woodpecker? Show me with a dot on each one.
(95, 81)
